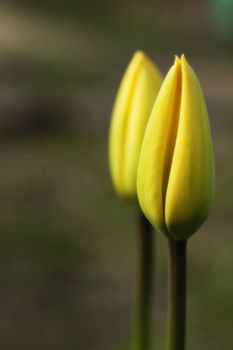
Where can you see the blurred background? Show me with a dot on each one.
(67, 245)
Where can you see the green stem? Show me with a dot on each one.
(141, 337)
(176, 294)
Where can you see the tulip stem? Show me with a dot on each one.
(145, 276)
(176, 294)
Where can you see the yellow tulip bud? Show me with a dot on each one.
(132, 108)
(176, 168)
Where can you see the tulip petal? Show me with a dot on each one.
(191, 180)
(157, 149)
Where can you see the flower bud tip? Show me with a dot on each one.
(139, 55)
(183, 58)
(177, 59)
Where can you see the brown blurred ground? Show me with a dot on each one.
(67, 244)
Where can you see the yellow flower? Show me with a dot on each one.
(176, 168)
(135, 98)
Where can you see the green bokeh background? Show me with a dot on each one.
(68, 246)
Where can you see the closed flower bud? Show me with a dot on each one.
(176, 168)
(133, 105)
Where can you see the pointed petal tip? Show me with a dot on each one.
(139, 55)
(183, 59)
(177, 60)
(177, 64)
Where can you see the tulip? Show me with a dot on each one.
(133, 105)
(176, 168)
(134, 102)
(176, 179)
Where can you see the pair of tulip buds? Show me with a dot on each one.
(160, 147)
